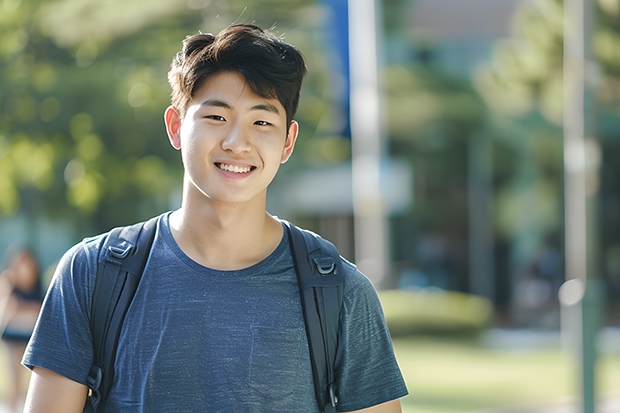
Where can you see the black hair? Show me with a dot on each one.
(272, 68)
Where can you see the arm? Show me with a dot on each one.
(387, 407)
(367, 372)
(50, 392)
(7, 304)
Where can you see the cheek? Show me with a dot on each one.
(191, 142)
(275, 155)
(273, 145)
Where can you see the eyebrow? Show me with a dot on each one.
(221, 104)
(267, 107)
(217, 103)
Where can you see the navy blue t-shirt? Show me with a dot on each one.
(203, 340)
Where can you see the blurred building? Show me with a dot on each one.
(457, 35)
(444, 223)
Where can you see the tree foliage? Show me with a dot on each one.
(82, 92)
(524, 87)
(526, 72)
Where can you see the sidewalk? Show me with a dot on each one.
(604, 406)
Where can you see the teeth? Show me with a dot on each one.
(234, 168)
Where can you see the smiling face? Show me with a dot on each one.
(231, 140)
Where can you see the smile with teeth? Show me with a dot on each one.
(234, 168)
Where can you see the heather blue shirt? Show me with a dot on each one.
(203, 340)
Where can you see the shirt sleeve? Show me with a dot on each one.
(62, 340)
(366, 368)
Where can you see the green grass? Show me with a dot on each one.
(456, 376)
(446, 376)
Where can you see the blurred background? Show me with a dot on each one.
(471, 161)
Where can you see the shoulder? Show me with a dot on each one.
(87, 251)
(353, 276)
(82, 253)
(89, 248)
(78, 267)
(356, 284)
(359, 292)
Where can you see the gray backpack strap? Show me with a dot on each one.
(121, 261)
(321, 282)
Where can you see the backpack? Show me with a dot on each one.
(123, 257)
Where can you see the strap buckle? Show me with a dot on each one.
(116, 254)
(325, 265)
(121, 251)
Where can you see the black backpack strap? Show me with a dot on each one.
(321, 280)
(121, 261)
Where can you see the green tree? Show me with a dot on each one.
(82, 92)
(524, 87)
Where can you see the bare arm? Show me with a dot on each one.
(50, 392)
(387, 407)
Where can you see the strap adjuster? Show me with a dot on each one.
(93, 381)
(332, 395)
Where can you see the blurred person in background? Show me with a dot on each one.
(20, 302)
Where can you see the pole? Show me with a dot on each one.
(368, 207)
(480, 196)
(580, 188)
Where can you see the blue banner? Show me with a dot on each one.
(337, 30)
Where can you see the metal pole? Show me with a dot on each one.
(480, 194)
(580, 190)
(368, 205)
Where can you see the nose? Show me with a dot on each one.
(237, 141)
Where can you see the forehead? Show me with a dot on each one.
(232, 89)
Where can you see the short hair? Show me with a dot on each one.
(272, 68)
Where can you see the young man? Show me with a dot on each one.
(216, 324)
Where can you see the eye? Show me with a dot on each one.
(215, 117)
(262, 123)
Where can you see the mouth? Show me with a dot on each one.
(234, 168)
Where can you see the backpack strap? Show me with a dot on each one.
(321, 280)
(121, 261)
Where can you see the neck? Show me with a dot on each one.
(225, 237)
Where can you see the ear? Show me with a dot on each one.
(173, 126)
(291, 138)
